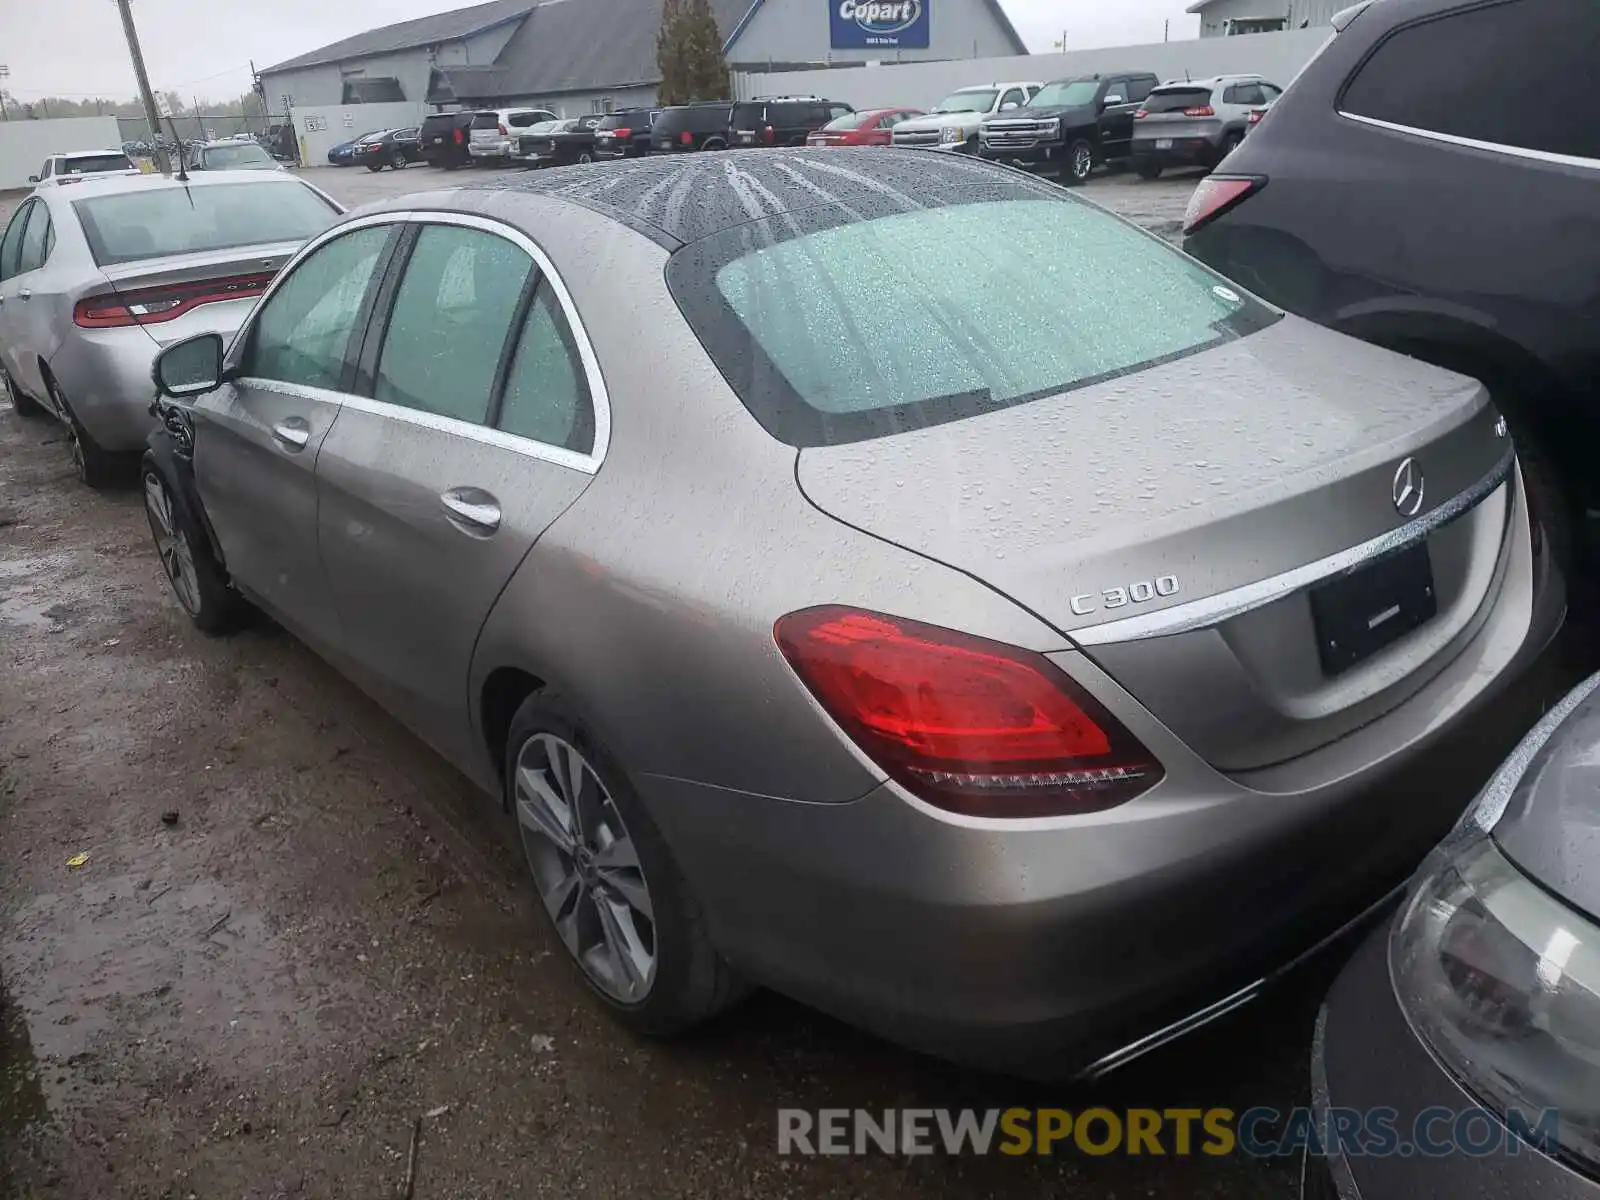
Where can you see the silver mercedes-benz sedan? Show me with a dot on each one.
(895, 582)
(97, 276)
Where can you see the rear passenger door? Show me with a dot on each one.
(481, 418)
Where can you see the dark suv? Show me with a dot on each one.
(781, 120)
(1450, 210)
(1070, 123)
(692, 127)
(445, 138)
(624, 134)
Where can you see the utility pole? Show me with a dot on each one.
(5, 73)
(1166, 30)
(151, 113)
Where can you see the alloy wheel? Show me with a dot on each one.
(1082, 162)
(586, 867)
(172, 544)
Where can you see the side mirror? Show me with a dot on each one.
(1008, 106)
(191, 367)
(1110, 100)
(33, 179)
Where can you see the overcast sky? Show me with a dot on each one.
(75, 48)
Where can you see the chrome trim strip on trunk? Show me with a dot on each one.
(1197, 614)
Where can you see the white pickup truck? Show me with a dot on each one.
(953, 123)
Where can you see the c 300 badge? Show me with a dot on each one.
(1142, 592)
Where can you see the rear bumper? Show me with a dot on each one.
(1045, 947)
(1181, 150)
(497, 149)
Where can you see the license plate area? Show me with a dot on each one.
(1163, 143)
(1359, 614)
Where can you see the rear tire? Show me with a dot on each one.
(714, 144)
(398, 160)
(1148, 168)
(374, 167)
(23, 406)
(585, 158)
(96, 467)
(1229, 145)
(614, 858)
(197, 579)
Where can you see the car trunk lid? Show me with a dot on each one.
(1182, 487)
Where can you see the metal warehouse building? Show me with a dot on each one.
(576, 56)
(1228, 18)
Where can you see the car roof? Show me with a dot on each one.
(989, 87)
(86, 153)
(1210, 81)
(232, 141)
(677, 199)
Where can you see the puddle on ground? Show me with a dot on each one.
(21, 1098)
(23, 601)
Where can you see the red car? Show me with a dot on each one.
(870, 127)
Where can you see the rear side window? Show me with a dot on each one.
(835, 330)
(11, 244)
(523, 120)
(1138, 88)
(36, 240)
(451, 316)
(1518, 73)
(1166, 100)
(547, 394)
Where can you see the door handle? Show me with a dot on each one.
(292, 433)
(471, 510)
(25, 293)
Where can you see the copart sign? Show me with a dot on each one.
(875, 24)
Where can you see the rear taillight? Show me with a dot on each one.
(459, 138)
(504, 132)
(1255, 117)
(151, 306)
(767, 135)
(969, 725)
(1215, 195)
(686, 138)
(623, 132)
(1205, 110)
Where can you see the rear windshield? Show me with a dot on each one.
(219, 158)
(1073, 93)
(628, 120)
(697, 120)
(853, 120)
(836, 330)
(1164, 100)
(440, 122)
(486, 120)
(157, 222)
(95, 164)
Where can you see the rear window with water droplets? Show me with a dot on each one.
(858, 328)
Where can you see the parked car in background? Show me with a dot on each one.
(1197, 123)
(1442, 215)
(1481, 997)
(560, 144)
(1071, 124)
(781, 120)
(74, 166)
(953, 123)
(869, 127)
(624, 134)
(902, 772)
(96, 278)
(493, 134)
(692, 127)
(444, 139)
(231, 155)
(344, 154)
(395, 148)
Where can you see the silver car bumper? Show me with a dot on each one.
(105, 373)
(1047, 946)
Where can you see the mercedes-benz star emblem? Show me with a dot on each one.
(1408, 485)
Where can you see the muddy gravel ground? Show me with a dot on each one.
(294, 936)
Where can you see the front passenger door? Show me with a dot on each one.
(257, 437)
(478, 427)
(1116, 119)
